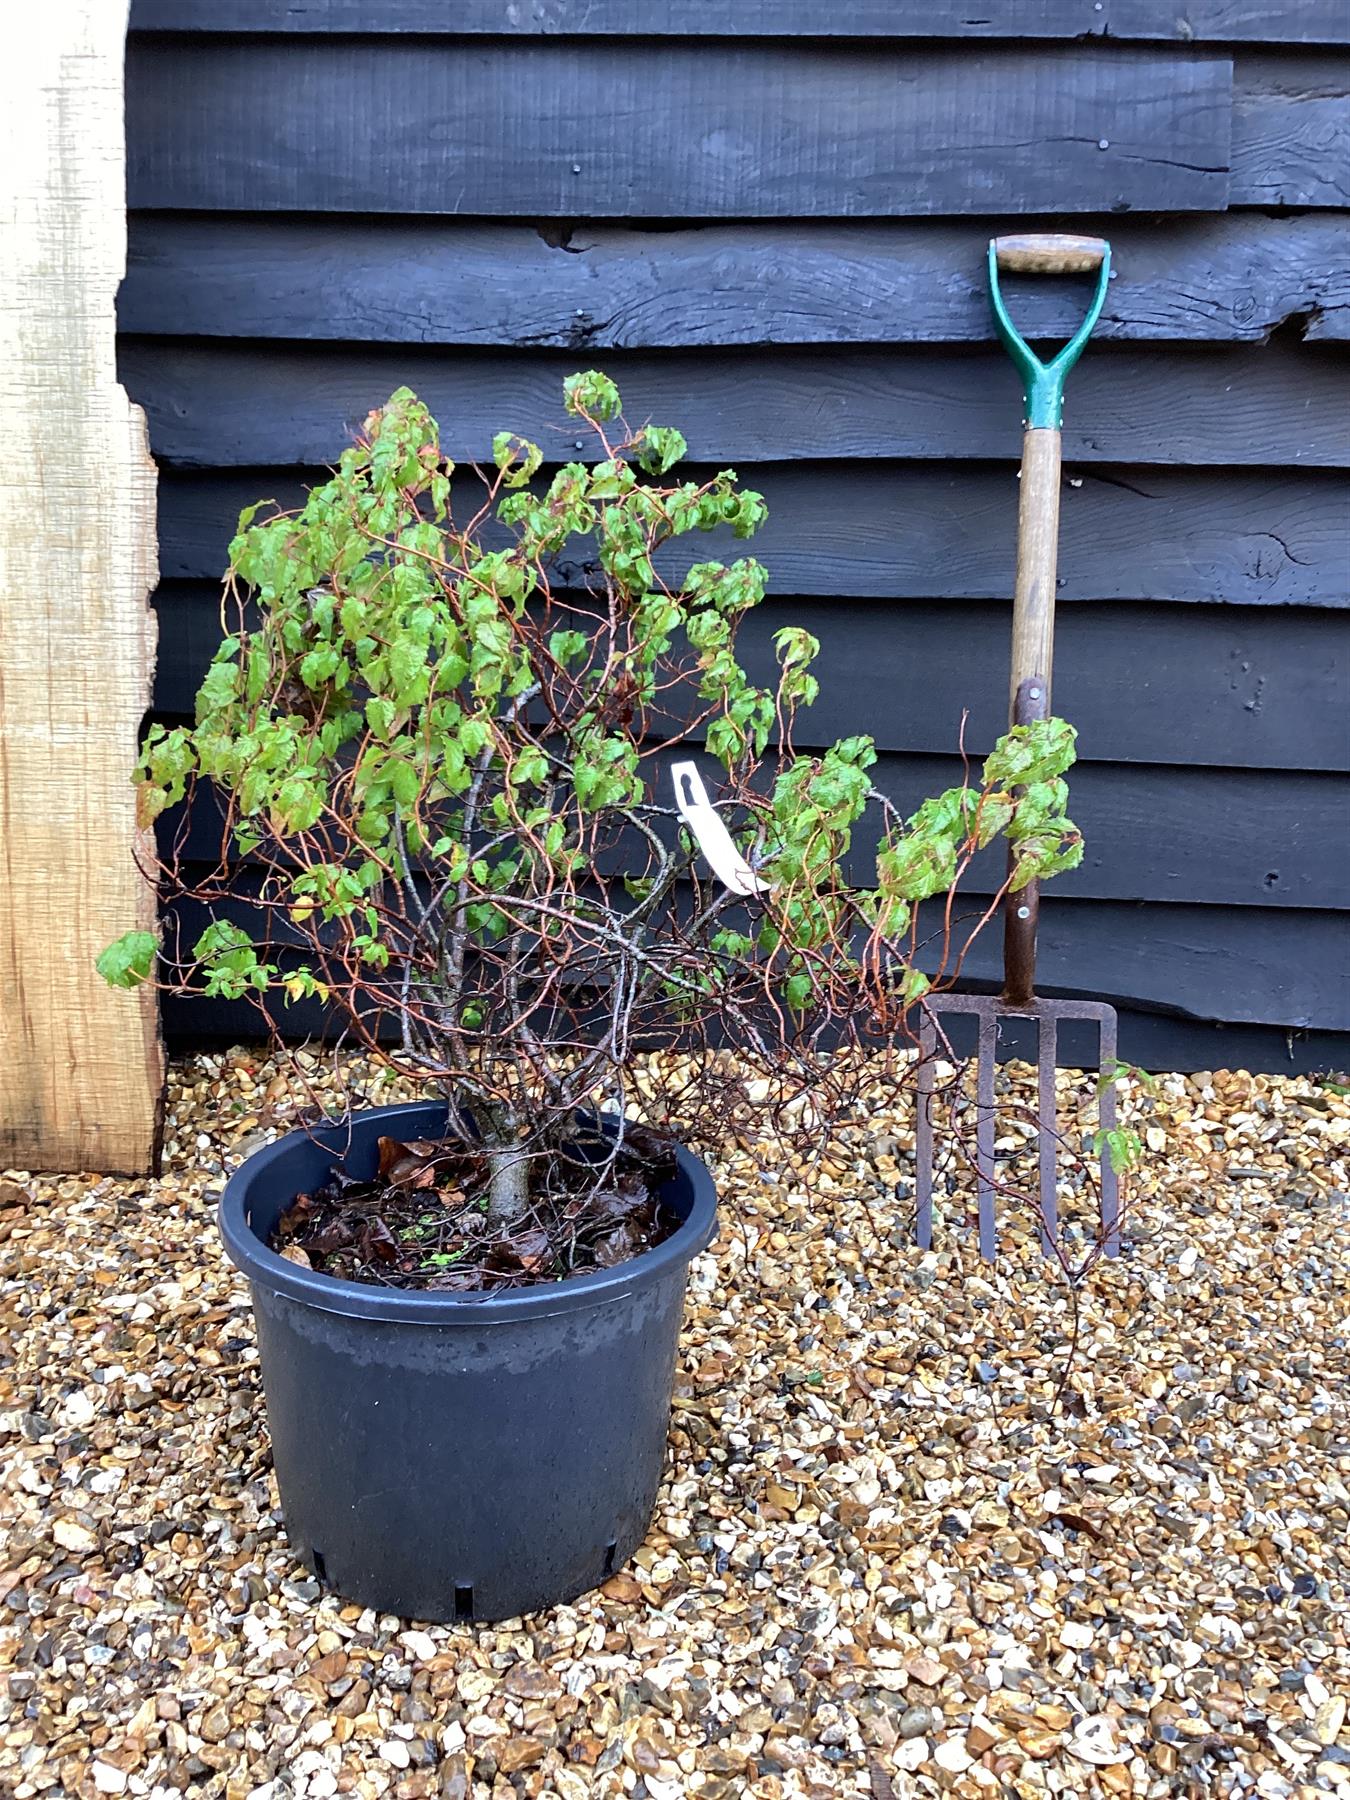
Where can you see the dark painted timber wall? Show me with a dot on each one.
(767, 221)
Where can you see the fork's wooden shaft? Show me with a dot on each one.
(1033, 655)
(1033, 644)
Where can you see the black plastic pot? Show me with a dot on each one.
(446, 1456)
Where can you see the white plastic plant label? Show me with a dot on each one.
(710, 833)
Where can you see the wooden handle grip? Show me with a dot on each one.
(1033, 645)
(1049, 253)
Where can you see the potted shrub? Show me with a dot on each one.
(439, 743)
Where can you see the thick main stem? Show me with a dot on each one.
(508, 1185)
(508, 1165)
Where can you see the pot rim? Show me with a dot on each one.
(362, 1300)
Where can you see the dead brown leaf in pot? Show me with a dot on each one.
(454, 1281)
(391, 1151)
(652, 1149)
(418, 1164)
(608, 1207)
(336, 1235)
(528, 1250)
(376, 1243)
(617, 1246)
(532, 1250)
(297, 1215)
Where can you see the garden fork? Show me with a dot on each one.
(1029, 699)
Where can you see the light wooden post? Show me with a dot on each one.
(81, 1068)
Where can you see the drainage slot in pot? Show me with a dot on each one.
(463, 1604)
(316, 1557)
(610, 1550)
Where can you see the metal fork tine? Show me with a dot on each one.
(1047, 1015)
(1107, 1120)
(984, 1136)
(923, 1133)
(1047, 1046)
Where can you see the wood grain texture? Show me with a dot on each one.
(903, 530)
(1242, 966)
(1291, 132)
(80, 1066)
(1049, 253)
(1202, 21)
(559, 129)
(224, 405)
(588, 288)
(1168, 834)
(1229, 687)
(1033, 626)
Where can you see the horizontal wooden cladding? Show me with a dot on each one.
(1203, 21)
(1150, 1040)
(593, 287)
(224, 406)
(1154, 834)
(1237, 964)
(905, 530)
(1169, 833)
(1291, 132)
(1243, 965)
(1226, 687)
(606, 129)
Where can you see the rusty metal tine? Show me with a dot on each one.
(984, 1135)
(1106, 1118)
(923, 1133)
(1047, 1045)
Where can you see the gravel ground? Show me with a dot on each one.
(882, 1565)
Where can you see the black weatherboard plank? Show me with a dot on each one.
(1248, 537)
(1232, 963)
(550, 127)
(1291, 132)
(1229, 687)
(1151, 834)
(587, 288)
(1150, 1040)
(222, 406)
(1247, 965)
(1169, 834)
(1219, 21)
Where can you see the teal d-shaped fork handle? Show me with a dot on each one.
(1043, 382)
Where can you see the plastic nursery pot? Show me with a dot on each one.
(450, 1456)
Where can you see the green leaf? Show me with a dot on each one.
(567, 646)
(128, 962)
(516, 457)
(591, 394)
(406, 783)
(1040, 751)
(797, 991)
(379, 715)
(914, 985)
(658, 448)
(1121, 1145)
